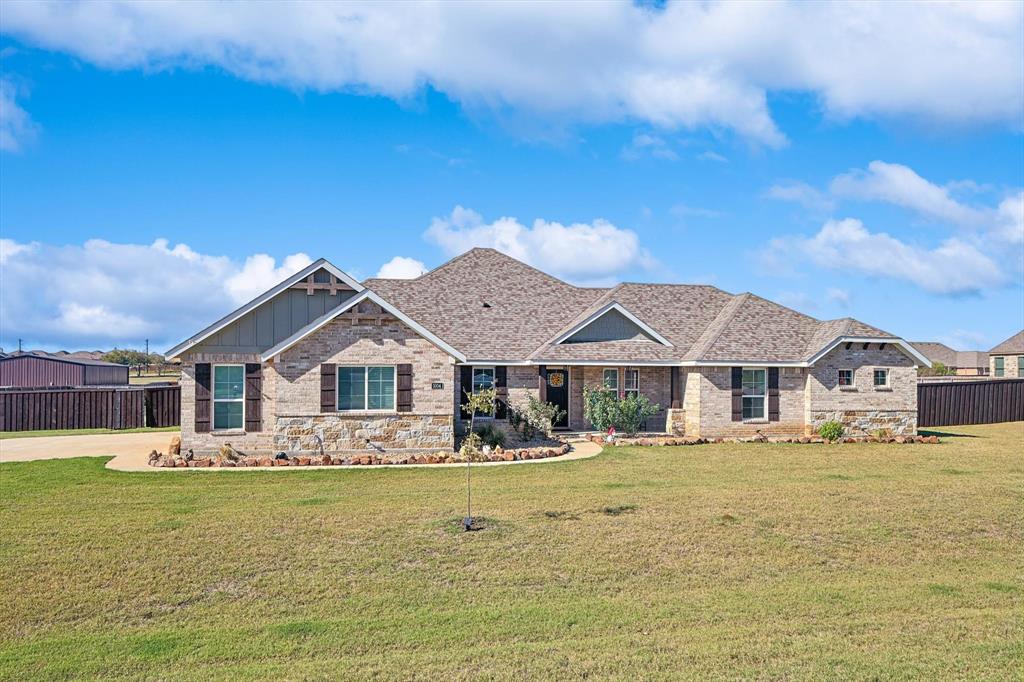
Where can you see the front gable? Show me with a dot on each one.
(612, 322)
(275, 315)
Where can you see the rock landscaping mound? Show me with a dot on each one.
(160, 460)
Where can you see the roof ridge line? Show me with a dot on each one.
(726, 314)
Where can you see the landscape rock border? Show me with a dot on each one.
(653, 441)
(230, 459)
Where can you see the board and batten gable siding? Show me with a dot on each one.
(612, 326)
(273, 321)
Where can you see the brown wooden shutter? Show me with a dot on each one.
(253, 396)
(465, 386)
(501, 388)
(773, 394)
(328, 387)
(203, 404)
(404, 388)
(542, 383)
(677, 400)
(737, 394)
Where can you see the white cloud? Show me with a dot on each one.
(401, 267)
(16, 127)
(801, 193)
(840, 297)
(954, 267)
(100, 293)
(686, 65)
(1010, 219)
(964, 339)
(643, 144)
(260, 273)
(582, 252)
(712, 156)
(897, 184)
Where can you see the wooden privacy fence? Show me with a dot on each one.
(89, 408)
(974, 402)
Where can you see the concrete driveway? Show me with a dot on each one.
(94, 445)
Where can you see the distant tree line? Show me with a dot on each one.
(138, 360)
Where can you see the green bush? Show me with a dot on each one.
(542, 416)
(520, 424)
(490, 435)
(831, 430)
(603, 409)
(599, 407)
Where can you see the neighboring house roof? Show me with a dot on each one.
(971, 358)
(937, 352)
(1011, 346)
(223, 322)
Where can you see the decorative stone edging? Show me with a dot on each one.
(677, 441)
(231, 460)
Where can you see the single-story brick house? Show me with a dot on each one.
(1007, 359)
(382, 363)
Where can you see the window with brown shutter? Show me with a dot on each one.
(737, 394)
(328, 387)
(501, 391)
(404, 374)
(202, 421)
(465, 386)
(253, 396)
(773, 394)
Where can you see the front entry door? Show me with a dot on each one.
(558, 394)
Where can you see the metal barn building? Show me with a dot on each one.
(40, 370)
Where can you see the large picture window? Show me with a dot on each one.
(366, 388)
(754, 390)
(228, 397)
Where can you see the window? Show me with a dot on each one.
(483, 378)
(846, 377)
(755, 386)
(228, 397)
(1020, 365)
(999, 366)
(610, 380)
(366, 388)
(881, 378)
(632, 382)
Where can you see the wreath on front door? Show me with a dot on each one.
(556, 380)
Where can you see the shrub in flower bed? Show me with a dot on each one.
(357, 459)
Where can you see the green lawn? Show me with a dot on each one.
(720, 561)
(6, 435)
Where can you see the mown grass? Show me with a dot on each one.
(7, 435)
(722, 561)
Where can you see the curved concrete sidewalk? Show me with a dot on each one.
(91, 445)
(131, 453)
(139, 462)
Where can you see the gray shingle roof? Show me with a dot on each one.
(491, 306)
(937, 352)
(1011, 346)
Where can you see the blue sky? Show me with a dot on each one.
(902, 210)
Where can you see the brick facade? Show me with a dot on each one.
(292, 418)
(291, 394)
(864, 408)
